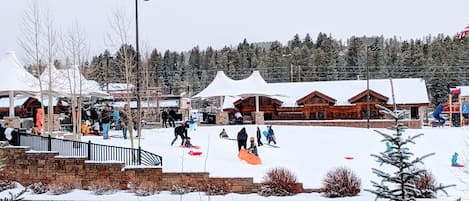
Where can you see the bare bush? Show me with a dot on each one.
(341, 182)
(39, 188)
(145, 188)
(6, 182)
(278, 182)
(60, 188)
(102, 188)
(217, 189)
(182, 189)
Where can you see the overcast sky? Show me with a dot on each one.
(179, 25)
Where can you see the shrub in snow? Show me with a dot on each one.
(182, 189)
(14, 197)
(143, 189)
(102, 188)
(6, 184)
(217, 189)
(278, 182)
(427, 185)
(341, 182)
(39, 188)
(399, 184)
(60, 188)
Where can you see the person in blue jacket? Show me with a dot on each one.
(454, 160)
(271, 135)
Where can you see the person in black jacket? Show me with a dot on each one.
(164, 116)
(242, 138)
(258, 135)
(180, 131)
(171, 118)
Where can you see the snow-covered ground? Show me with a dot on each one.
(309, 152)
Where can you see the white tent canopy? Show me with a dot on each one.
(16, 80)
(220, 86)
(254, 85)
(70, 82)
(15, 77)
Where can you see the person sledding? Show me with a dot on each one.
(252, 147)
(180, 131)
(223, 134)
(454, 160)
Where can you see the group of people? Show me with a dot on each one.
(242, 138)
(168, 118)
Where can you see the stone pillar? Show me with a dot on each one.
(258, 117)
(222, 118)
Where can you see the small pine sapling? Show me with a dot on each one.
(399, 185)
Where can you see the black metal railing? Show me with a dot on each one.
(92, 151)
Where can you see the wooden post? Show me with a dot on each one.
(461, 121)
(450, 109)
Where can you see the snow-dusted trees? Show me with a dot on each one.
(401, 184)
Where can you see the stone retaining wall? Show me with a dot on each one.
(28, 167)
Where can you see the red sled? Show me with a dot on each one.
(457, 165)
(349, 158)
(194, 153)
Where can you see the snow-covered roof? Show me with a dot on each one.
(119, 87)
(18, 101)
(15, 77)
(146, 104)
(67, 82)
(220, 86)
(406, 91)
(464, 90)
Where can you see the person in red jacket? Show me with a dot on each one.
(38, 120)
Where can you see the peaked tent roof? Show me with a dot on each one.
(254, 85)
(16, 78)
(67, 82)
(220, 86)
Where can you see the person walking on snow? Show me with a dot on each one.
(271, 135)
(164, 116)
(242, 138)
(180, 131)
(258, 135)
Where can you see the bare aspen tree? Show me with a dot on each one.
(32, 44)
(51, 37)
(75, 49)
(127, 61)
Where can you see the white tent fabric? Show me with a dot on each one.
(254, 85)
(15, 78)
(220, 86)
(66, 82)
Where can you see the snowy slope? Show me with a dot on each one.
(309, 152)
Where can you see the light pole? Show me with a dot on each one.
(137, 52)
(373, 48)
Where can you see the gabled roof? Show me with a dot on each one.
(406, 91)
(364, 94)
(302, 101)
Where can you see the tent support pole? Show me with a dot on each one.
(257, 103)
(11, 112)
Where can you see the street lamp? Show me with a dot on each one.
(373, 48)
(137, 52)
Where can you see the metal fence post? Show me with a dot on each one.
(18, 139)
(49, 143)
(139, 159)
(89, 149)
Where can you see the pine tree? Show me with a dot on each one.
(397, 186)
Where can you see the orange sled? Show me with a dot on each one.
(248, 157)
